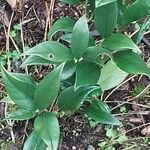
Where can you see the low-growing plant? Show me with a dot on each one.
(83, 69)
(114, 137)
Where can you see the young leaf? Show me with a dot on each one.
(47, 128)
(20, 89)
(96, 113)
(87, 73)
(48, 88)
(131, 13)
(99, 3)
(93, 52)
(122, 139)
(111, 133)
(21, 114)
(117, 42)
(139, 35)
(63, 24)
(70, 100)
(111, 76)
(67, 38)
(105, 23)
(68, 70)
(35, 60)
(80, 37)
(52, 51)
(131, 62)
(34, 143)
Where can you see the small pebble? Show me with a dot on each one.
(73, 147)
(90, 147)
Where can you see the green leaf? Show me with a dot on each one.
(97, 113)
(20, 88)
(34, 143)
(71, 1)
(99, 3)
(93, 52)
(68, 70)
(121, 139)
(21, 114)
(139, 35)
(63, 24)
(91, 41)
(47, 127)
(87, 73)
(80, 37)
(131, 62)
(7, 99)
(52, 51)
(35, 60)
(110, 148)
(67, 38)
(105, 23)
(111, 133)
(117, 42)
(48, 88)
(111, 76)
(70, 100)
(92, 5)
(131, 12)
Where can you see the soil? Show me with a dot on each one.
(76, 133)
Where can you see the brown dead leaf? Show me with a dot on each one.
(148, 63)
(135, 120)
(3, 17)
(12, 3)
(146, 131)
(16, 4)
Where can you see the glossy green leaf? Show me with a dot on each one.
(67, 38)
(35, 60)
(70, 100)
(21, 114)
(99, 3)
(117, 42)
(131, 62)
(80, 37)
(87, 73)
(63, 24)
(20, 88)
(111, 76)
(68, 70)
(47, 127)
(93, 52)
(48, 88)
(34, 142)
(131, 13)
(51, 50)
(105, 23)
(98, 114)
